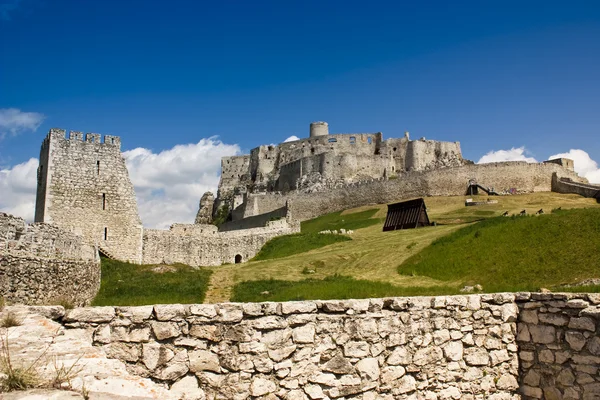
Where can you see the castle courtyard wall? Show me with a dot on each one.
(43, 264)
(198, 247)
(306, 204)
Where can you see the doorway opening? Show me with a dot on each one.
(238, 258)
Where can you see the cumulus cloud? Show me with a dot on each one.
(169, 184)
(514, 154)
(14, 121)
(291, 139)
(584, 165)
(18, 185)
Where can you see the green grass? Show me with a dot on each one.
(337, 221)
(125, 284)
(285, 246)
(332, 287)
(517, 253)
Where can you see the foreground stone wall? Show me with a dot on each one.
(42, 264)
(559, 345)
(307, 204)
(566, 186)
(202, 245)
(460, 347)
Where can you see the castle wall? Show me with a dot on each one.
(88, 191)
(582, 189)
(443, 182)
(257, 221)
(42, 264)
(424, 155)
(234, 171)
(202, 245)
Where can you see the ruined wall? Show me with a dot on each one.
(559, 345)
(306, 204)
(422, 155)
(86, 190)
(583, 189)
(41, 264)
(257, 221)
(202, 245)
(459, 347)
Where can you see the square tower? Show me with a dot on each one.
(83, 186)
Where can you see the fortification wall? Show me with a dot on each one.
(422, 155)
(234, 171)
(41, 264)
(564, 186)
(308, 204)
(257, 221)
(460, 347)
(86, 190)
(197, 246)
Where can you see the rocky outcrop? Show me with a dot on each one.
(205, 209)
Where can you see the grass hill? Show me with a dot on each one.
(507, 254)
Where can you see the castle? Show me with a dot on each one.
(84, 188)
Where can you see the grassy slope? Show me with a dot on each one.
(284, 246)
(125, 284)
(519, 253)
(374, 255)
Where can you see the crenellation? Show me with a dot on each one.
(112, 140)
(92, 137)
(76, 135)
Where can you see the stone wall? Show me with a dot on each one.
(306, 204)
(42, 264)
(257, 221)
(460, 347)
(559, 345)
(202, 245)
(84, 187)
(565, 185)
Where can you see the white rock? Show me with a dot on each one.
(90, 314)
(203, 360)
(368, 369)
(261, 387)
(304, 334)
(187, 389)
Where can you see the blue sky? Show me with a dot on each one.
(492, 75)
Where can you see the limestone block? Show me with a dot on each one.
(428, 355)
(532, 378)
(301, 319)
(356, 349)
(123, 351)
(542, 333)
(304, 334)
(261, 387)
(203, 360)
(137, 315)
(338, 365)
(170, 312)
(187, 389)
(554, 319)
(400, 356)
(280, 353)
(269, 322)
(450, 393)
(298, 307)
(155, 355)
(204, 310)
(405, 384)
(368, 368)
(208, 332)
(276, 338)
(529, 316)
(315, 392)
(165, 330)
(575, 339)
(476, 356)
(230, 312)
(582, 323)
(90, 314)
(565, 377)
(392, 374)
(507, 382)
(172, 372)
(252, 309)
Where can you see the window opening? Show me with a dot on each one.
(352, 140)
(98, 167)
(105, 233)
(332, 140)
(369, 140)
(104, 201)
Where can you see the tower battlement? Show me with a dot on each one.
(73, 136)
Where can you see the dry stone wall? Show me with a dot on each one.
(559, 345)
(459, 347)
(306, 204)
(42, 264)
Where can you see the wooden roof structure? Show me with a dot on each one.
(406, 215)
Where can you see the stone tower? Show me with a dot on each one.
(319, 128)
(83, 186)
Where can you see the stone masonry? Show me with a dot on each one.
(460, 347)
(42, 264)
(84, 187)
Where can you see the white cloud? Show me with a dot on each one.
(291, 139)
(14, 121)
(18, 186)
(169, 184)
(584, 165)
(514, 154)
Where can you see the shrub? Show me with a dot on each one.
(10, 320)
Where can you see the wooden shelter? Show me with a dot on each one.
(406, 215)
